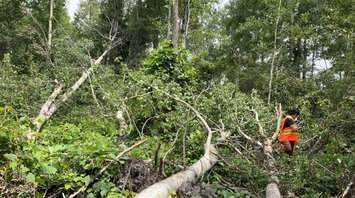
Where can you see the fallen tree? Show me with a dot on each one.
(55, 100)
(171, 184)
(272, 189)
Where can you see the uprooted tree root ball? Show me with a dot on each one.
(136, 175)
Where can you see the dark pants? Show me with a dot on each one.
(287, 146)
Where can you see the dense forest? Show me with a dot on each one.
(176, 98)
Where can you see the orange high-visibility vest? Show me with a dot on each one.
(287, 134)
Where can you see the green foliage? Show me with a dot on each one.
(223, 73)
(171, 64)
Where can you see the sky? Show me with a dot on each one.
(72, 6)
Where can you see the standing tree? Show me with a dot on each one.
(50, 19)
(175, 20)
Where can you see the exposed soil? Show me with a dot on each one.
(137, 175)
(13, 185)
(199, 190)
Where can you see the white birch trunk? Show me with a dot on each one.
(121, 119)
(170, 185)
(274, 54)
(47, 108)
(50, 25)
(272, 189)
(51, 105)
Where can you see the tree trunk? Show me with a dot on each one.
(51, 105)
(185, 23)
(175, 23)
(47, 108)
(50, 25)
(171, 184)
(274, 55)
(168, 34)
(121, 119)
(272, 189)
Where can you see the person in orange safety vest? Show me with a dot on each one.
(288, 136)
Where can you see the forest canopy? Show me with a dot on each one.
(177, 98)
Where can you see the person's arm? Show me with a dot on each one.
(292, 124)
(294, 127)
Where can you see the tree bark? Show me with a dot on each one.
(185, 23)
(47, 108)
(274, 55)
(171, 184)
(175, 23)
(50, 25)
(272, 189)
(51, 105)
(121, 119)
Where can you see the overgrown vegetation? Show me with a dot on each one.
(221, 67)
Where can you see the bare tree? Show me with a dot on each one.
(274, 54)
(52, 103)
(50, 25)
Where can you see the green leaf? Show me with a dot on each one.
(87, 180)
(10, 157)
(67, 186)
(31, 178)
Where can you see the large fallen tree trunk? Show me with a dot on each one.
(171, 184)
(47, 108)
(52, 104)
(272, 189)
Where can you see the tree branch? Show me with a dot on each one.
(170, 185)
